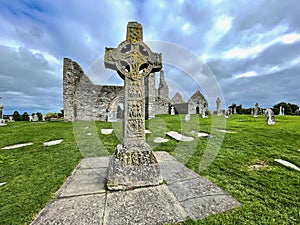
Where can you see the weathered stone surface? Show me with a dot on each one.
(270, 119)
(162, 156)
(194, 188)
(174, 171)
(94, 162)
(177, 99)
(85, 181)
(76, 210)
(106, 131)
(199, 208)
(197, 103)
(55, 142)
(185, 195)
(133, 164)
(160, 140)
(153, 205)
(133, 167)
(179, 137)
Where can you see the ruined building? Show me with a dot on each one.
(83, 100)
(196, 104)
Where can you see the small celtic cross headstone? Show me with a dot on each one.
(133, 163)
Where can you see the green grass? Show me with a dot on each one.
(269, 195)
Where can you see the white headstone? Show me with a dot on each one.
(35, 118)
(172, 110)
(270, 119)
(280, 111)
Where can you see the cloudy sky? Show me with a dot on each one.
(251, 48)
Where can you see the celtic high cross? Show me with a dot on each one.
(133, 163)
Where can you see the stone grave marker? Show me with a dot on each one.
(133, 163)
(227, 114)
(218, 101)
(255, 110)
(11, 119)
(270, 119)
(280, 111)
(172, 110)
(2, 121)
(35, 118)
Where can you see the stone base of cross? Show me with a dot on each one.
(133, 163)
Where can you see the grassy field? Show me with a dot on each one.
(241, 162)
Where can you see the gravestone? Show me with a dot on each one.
(227, 114)
(35, 118)
(2, 121)
(133, 163)
(30, 118)
(270, 119)
(172, 110)
(11, 119)
(280, 111)
(234, 110)
(255, 110)
(218, 101)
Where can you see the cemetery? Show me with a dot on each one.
(187, 168)
(245, 166)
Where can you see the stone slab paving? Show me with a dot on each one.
(84, 198)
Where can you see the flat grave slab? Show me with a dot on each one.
(179, 137)
(55, 142)
(287, 164)
(160, 140)
(17, 146)
(84, 198)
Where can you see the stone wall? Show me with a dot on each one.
(181, 108)
(197, 103)
(83, 100)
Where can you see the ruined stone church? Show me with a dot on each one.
(84, 100)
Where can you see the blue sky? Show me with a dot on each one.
(251, 48)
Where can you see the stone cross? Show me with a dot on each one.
(218, 101)
(133, 163)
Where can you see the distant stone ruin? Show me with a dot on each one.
(84, 100)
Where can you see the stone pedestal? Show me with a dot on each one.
(133, 166)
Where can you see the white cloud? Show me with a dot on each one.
(289, 38)
(247, 74)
